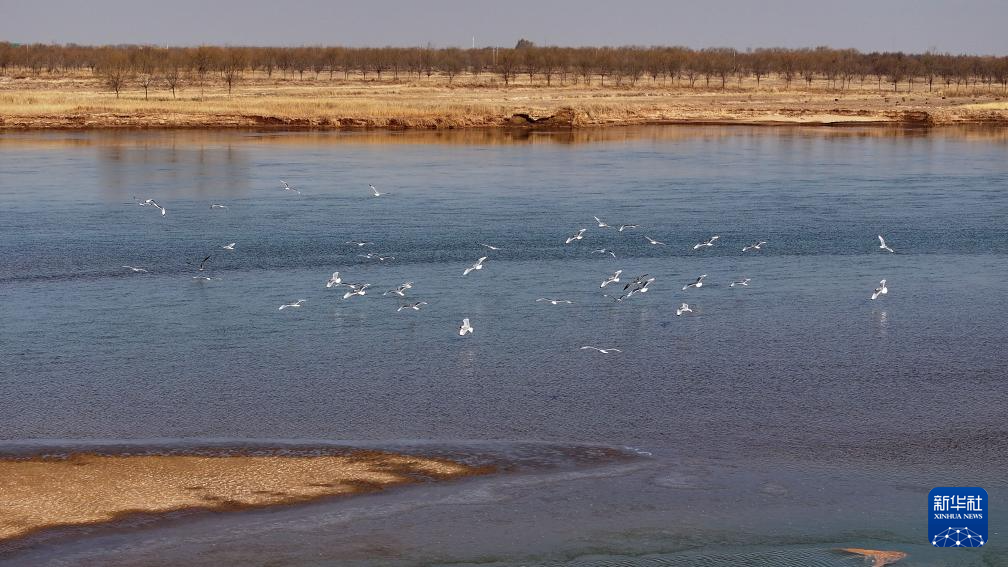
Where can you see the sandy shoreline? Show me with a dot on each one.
(81, 102)
(41, 493)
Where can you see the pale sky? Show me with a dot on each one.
(964, 26)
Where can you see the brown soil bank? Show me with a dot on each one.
(82, 489)
(82, 102)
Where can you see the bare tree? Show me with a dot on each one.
(115, 70)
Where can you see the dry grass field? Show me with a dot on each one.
(82, 101)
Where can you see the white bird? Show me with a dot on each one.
(576, 236)
(601, 350)
(356, 289)
(334, 280)
(154, 204)
(375, 191)
(604, 251)
(882, 244)
(413, 306)
(644, 288)
(217, 206)
(601, 223)
(490, 246)
(374, 255)
(477, 266)
(653, 241)
(555, 301)
(136, 270)
(612, 279)
(698, 283)
(623, 227)
(465, 327)
(202, 278)
(359, 243)
(684, 308)
(880, 290)
(637, 282)
(401, 290)
(754, 246)
(295, 304)
(708, 243)
(743, 282)
(229, 246)
(289, 188)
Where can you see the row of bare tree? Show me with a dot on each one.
(821, 67)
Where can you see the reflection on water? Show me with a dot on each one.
(495, 136)
(775, 413)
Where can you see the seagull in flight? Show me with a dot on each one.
(601, 223)
(555, 301)
(295, 304)
(637, 282)
(289, 188)
(623, 227)
(229, 246)
(356, 289)
(375, 192)
(708, 243)
(684, 308)
(154, 204)
(604, 251)
(612, 279)
(490, 246)
(697, 284)
(414, 306)
(754, 246)
(359, 243)
(217, 206)
(880, 290)
(882, 244)
(743, 283)
(576, 236)
(401, 290)
(373, 255)
(477, 266)
(465, 328)
(644, 287)
(601, 350)
(334, 280)
(136, 270)
(653, 241)
(202, 264)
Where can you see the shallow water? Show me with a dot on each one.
(798, 382)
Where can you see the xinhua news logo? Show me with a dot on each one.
(957, 516)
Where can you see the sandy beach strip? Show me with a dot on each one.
(82, 489)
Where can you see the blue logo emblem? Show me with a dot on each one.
(957, 516)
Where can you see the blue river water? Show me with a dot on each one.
(775, 422)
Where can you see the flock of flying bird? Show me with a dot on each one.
(638, 285)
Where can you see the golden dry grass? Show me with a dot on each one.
(82, 102)
(36, 494)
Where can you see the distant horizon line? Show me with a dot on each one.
(432, 45)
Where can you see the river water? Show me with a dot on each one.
(774, 423)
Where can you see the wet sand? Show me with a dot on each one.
(81, 489)
(878, 557)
